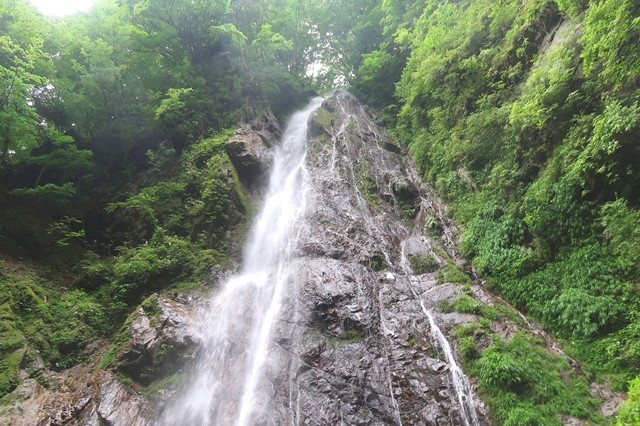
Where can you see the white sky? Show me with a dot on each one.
(62, 7)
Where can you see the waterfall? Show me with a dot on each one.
(308, 332)
(228, 385)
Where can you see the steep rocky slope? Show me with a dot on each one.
(376, 279)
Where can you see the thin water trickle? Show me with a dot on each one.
(227, 385)
(459, 381)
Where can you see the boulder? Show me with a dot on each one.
(250, 148)
(161, 338)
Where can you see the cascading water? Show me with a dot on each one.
(227, 384)
(336, 347)
(458, 379)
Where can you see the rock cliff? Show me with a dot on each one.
(353, 344)
(356, 341)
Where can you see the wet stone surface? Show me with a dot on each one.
(354, 344)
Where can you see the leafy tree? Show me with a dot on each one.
(176, 29)
(23, 68)
(180, 116)
(269, 43)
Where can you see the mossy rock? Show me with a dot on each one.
(10, 369)
(405, 190)
(12, 346)
(322, 121)
(149, 346)
(378, 262)
(423, 263)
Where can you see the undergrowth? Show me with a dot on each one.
(520, 380)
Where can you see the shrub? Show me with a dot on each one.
(527, 385)
(423, 263)
(500, 368)
(629, 414)
(468, 349)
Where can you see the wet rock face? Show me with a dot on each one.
(80, 396)
(353, 344)
(159, 339)
(249, 149)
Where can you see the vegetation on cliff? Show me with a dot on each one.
(114, 178)
(524, 115)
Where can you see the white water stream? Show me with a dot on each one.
(460, 383)
(227, 385)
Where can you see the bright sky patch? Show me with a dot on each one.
(62, 7)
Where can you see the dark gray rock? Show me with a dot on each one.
(162, 338)
(354, 344)
(250, 148)
(118, 405)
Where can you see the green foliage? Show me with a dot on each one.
(65, 230)
(501, 368)
(580, 295)
(423, 263)
(201, 202)
(173, 106)
(40, 317)
(368, 186)
(373, 80)
(61, 158)
(469, 305)
(526, 385)
(24, 65)
(13, 343)
(140, 270)
(629, 413)
(494, 238)
(615, 357)
(346, 30)
(108, 359)
(612, 54)
(453, 274)
(468, 348)
(168, 232)
(378, 262)
(572, 7)
(150, 306)
(622, 228)
(228, 33)
(608, 162)
(269, 43)
(48, 194)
